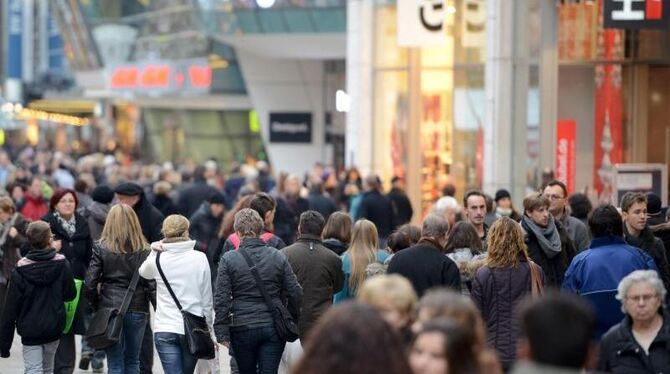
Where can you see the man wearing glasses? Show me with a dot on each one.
(557, 194)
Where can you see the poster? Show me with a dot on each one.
(566, 131)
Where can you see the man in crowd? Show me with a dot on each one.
(289, 208)
(557, 193)
(318, 269)
(596, 272)
(447, 207)
(425, 264)
(638, 234)
(475, 210)
(402, 207)
(205, 225)
(192, 197)
(318, 201)
(377, 208)
(556, 336)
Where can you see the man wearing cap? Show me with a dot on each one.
(557, 193)
(151, 219)
(205, 224)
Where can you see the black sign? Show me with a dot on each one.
(291, 127)
(636, 14)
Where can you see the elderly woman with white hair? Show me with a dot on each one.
(640, 343)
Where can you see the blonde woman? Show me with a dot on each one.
(501, 284)
(116, 258)
(361, 253)
(187, 272)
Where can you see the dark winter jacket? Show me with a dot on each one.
(10, 251)
(553, 268)
(238, 301)
(273, 241)
(426, 267)
(319, 272)
(662, 231)
(113, 273)
(77, 249)
(96, 214)
(322, 204)
(620, 353)
(654, 247)
(336, 246)
(39, 286)
(192, 197)
(402, 207)
(287, 217)
(378, 209)
(595, 275)
(577, 231)
(151, 219)
(164, 204)
(204, 228)
(497, 292)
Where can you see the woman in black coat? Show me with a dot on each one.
(72, 239)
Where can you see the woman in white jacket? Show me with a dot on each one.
(187, 271)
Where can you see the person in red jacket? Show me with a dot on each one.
(34, 206)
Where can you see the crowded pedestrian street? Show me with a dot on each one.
(334, 186)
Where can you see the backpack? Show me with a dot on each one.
(266, 236)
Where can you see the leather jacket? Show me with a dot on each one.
(113, 272)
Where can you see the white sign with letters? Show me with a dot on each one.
(421, 23)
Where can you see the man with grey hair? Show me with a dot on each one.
(448, 208)
(244, 323)
(425, 264)
(639, 343)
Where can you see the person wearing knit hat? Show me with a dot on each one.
(655, 212)
(102, 194)
(504, 207)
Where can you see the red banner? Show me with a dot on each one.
(608, 146)
(566, 133)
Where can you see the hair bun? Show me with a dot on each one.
(175, 226)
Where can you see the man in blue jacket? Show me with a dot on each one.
(596, 272)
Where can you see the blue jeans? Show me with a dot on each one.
(257, 347)
(174, 354)
(124, 356)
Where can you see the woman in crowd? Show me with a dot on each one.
(362, 252)
(243, 321)
(394, 298)
(639, 343)
(116, 259)
(337, 232)
(444, 346)
(353, 338)
(447, 304)
(187, 272)
(500, 285)
(465, 248)
(12, 239)
(72, 239)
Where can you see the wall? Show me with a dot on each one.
(276, 85)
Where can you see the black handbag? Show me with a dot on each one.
(107, 323)
(284, 322)
(196, 331)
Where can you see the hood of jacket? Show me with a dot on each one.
(41, 273)
(179, 247)
(98, 212)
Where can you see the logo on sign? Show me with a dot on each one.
(635, 13)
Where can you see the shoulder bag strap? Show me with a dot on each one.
(130, 291)
(167, 284)
(257, 278)
(535, 281)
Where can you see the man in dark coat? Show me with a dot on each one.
(151, 221)
(319, 270)
(638, 234)
(377, 208)
(205, 225)
(402, 207)
(192, 197)
(320, 202)
(425, 264)
(289, 208)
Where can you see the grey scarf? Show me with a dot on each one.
(548, 237)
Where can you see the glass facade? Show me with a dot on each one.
(449, 76)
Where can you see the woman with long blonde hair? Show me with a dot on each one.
(116, 258)
(363, 251)
(502, 283)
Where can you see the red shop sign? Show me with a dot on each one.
(566, 133)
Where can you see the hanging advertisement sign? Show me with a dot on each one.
(636, 14)
(577, 32)
(640, 178)
(608, 143)
(566, 132)
(421, 23)
(291, 127)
